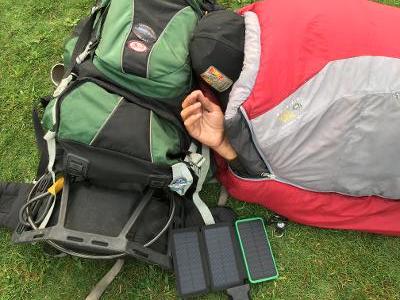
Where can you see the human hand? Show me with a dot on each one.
(204, 120)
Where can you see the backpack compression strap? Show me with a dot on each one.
(103, 284)
(84, 46)
(201, 206)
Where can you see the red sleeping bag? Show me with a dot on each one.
(320, 94)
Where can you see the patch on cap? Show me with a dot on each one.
(217, 79)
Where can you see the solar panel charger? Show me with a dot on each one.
(215, 258)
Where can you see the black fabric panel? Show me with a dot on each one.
(105, 211)
(252, 165)
(79, 27)
(12, 197)
(127, 131)
(151, 222)
(110, 168)
(156, 14)
(99, 210)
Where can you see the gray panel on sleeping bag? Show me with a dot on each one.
(339, 132)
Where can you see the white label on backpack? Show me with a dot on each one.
(137, 46)
(217, 79)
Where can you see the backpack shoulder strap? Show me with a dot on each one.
(201, 206)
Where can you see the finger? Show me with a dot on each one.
(208, 105)
(192, 98)
(192, 119)
(191, 110)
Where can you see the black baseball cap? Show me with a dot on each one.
(217, 51)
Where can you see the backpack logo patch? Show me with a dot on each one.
(137, 46)
(145, 33)
(217, 79)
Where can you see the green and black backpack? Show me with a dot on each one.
(112, 133)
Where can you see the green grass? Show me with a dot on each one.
(313, 263)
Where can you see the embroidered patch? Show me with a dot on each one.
(287, 116)
(144, 33)
(216, 79)
(290, 112)
(137, 46)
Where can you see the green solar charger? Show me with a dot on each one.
(256, 250)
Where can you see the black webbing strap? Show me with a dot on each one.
(12, 197)
(84, 38)
(41, 144)
(196, 7)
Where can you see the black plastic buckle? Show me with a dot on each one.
(159, 181)
(76, 166)
(239, 292)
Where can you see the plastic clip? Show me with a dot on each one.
(63, 85)
(81, 57)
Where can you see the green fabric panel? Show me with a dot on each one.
(47, 120)
(164, 139)
(84, 111)
(68, 49)
(169, 75)
(154, 89)
(117, 27)
(171, 51)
